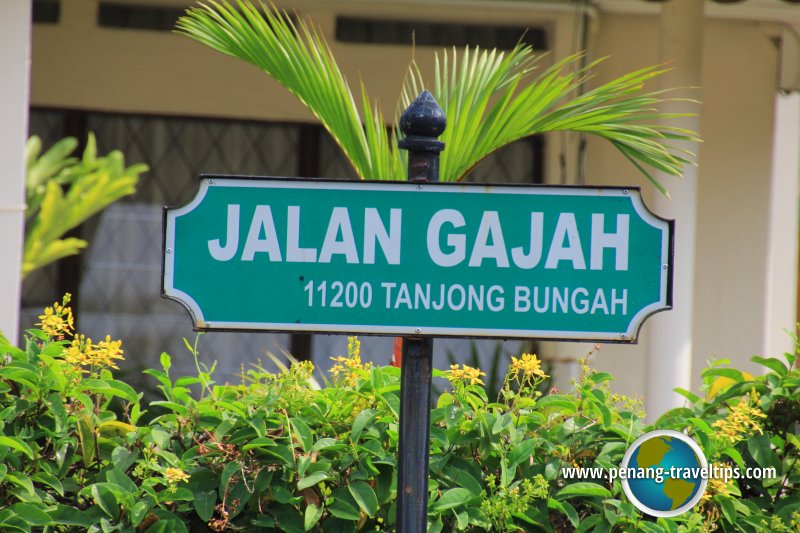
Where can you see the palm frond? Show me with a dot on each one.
(296, 55)
(493, 98)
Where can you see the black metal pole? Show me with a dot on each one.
(422, 123)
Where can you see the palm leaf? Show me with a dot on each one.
(490, 98)
(296, 55)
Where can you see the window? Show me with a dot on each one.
(440, 34)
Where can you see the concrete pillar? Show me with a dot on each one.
(15, 36)
(669, 349)
(782, 237)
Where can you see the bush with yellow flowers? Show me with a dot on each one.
(278, 452)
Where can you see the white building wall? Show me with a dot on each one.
(782, 238)
(15, 28)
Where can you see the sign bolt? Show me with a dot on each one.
(624, 191)
(211, 182)
(417, 330)
(169, 250)
(665, 266)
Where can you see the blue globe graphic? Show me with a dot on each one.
(676, 493)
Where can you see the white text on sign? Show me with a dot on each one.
(447, 242)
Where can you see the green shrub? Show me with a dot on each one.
(277, 453)
(62, 192)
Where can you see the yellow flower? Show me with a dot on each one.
(351, 365)
(742, 420)
(353, 347)
(302, 370)
(57, 321)
(106, 352)
(176, 475)
(103, 354)
(76, 354)
(717, 485)
(529, 365)
(466, 373)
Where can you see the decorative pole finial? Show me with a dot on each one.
(422, 122)
(423, 118)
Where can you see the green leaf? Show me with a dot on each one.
(452, 498)
(327, 443)
(304, 432)
(312, 515)
(589, 523)
(364, 496)
(648, 527)
(289, 519)
(22, 373)
(734, 454)
(32, 514)
(50, 480)
(161, 438)
(123, 458)
(362, 419)
(70, 516)
(139, 511)
(501, 422)
(180, 494)
(260, 442)
(14, 523)
(342, 509)
(120, 478)
(584, 488)
(462, 520)
(731, 373)
(106, 500)
(604, 413)
(109, 388)
(560, 402)
(312, 480)
(162, 526)
(774, 364)
(166, 361)
(728, 509)
(284, 496)
(688, 395)
(228, 472)
(204, 503)
(445, 400)
(177, 408)
(21, 480)
(760, 449)
(461, 477)
(16, 444)
(566, 509)
(282, 453)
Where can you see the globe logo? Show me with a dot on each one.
(663, 473)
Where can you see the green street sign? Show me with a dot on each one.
(400, 258)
